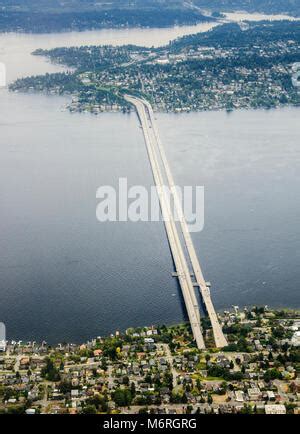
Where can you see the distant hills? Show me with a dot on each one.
(43, 16)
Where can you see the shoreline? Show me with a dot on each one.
(120, 331)
(125, 27)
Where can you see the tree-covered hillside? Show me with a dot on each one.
(291, 7)
(232, 35)
(41, 16)
(228, 67)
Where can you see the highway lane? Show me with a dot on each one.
(158, 151)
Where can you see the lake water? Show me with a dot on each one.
(64, 276)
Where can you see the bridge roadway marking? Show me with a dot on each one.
(174, 241)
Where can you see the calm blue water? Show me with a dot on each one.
(65, 276)
(249, 164)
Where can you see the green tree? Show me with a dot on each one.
(89, 409)
(122, 397)
(272, 374)
(50, 372)
(132, 390)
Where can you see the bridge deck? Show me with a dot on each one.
(156, 153)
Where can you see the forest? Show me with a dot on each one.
(47, 16)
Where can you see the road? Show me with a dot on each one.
(145, 112)
(176, 248)
(219, 337)
(169, 358)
